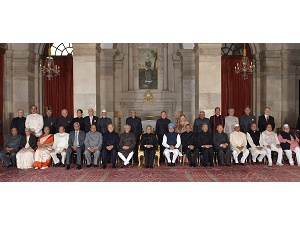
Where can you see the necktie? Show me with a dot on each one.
(91, 120)
(267, 119)
(76, 139)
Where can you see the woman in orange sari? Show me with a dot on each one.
(42, 157)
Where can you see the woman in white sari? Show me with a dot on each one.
(42, 157)
(25, 156)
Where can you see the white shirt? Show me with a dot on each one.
(35, 122)
(164, 142)
(269, 138)
(238, 139)
(60, 141)
(230, 122)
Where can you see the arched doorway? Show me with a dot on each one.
(236, 92)
(58, 91)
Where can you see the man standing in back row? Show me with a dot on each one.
(64, 121)
(246, 120)
(136, 127)
(90, 120)
(265, 119)
(103, 122)
(161, 128)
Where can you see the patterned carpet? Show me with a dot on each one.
(179, 173)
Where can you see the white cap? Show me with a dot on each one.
(285, 125)
(103, 111)
(236, 125)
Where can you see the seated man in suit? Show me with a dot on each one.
(289, 143)
(189, 145)
(205, 145)
(149, 145)
(126, 145)
(222, 145)
(90, 120)
(76, 144)
(265, 119)
(254, 139)
(93, 144)
(271, 143)
(110, 145)
(60, 145)
(11, 147)
(171, 142)
(238, 144)
(19, 122)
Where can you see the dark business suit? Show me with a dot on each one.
(32, 141)
(18, 123)
(149, 139)
(110, 138)
(102, 124)
(80, 148)
(64, 121)
(218, 139)
(80, 120)
(161, 127)
(262, 123)
(187, 139)
(51, 123)
(206, 138)
(87, 122)
(136, 128)
(10, 142)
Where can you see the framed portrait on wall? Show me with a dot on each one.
(147, 61)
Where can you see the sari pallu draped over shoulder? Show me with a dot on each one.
(42, 157)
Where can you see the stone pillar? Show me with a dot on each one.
(188, 83)
(19, 83)
(271, 81)
(106, 89)
(130, 68)
(207, 77)
(86, 76)
(176, 84)
(165, 82)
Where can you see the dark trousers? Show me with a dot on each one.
(149, 157)
(221, 152)
(113, 154)
(192, 159)
(161, 149)
(6, 160)
(208, 154)
(70, 151)
(135, 150)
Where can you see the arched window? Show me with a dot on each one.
(61, 49)
(235, 49)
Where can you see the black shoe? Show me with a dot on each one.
(173, 164)
(151, 166)
(191, 165)
(146, 166)
(78, 167)
(228, 165)
(243, 164)
(205, 165)
(104, 166)
(211, 165)
(67, 167)
(57, 165)
(10, 165)
(95, 166)
(169, 164)
(89, 166)
(114, 166)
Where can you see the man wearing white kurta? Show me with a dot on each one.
(271, 143)
(238, 144)
(230, 122)
(254, 139)
(171, 142)
(60, 145)
(34, 121)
